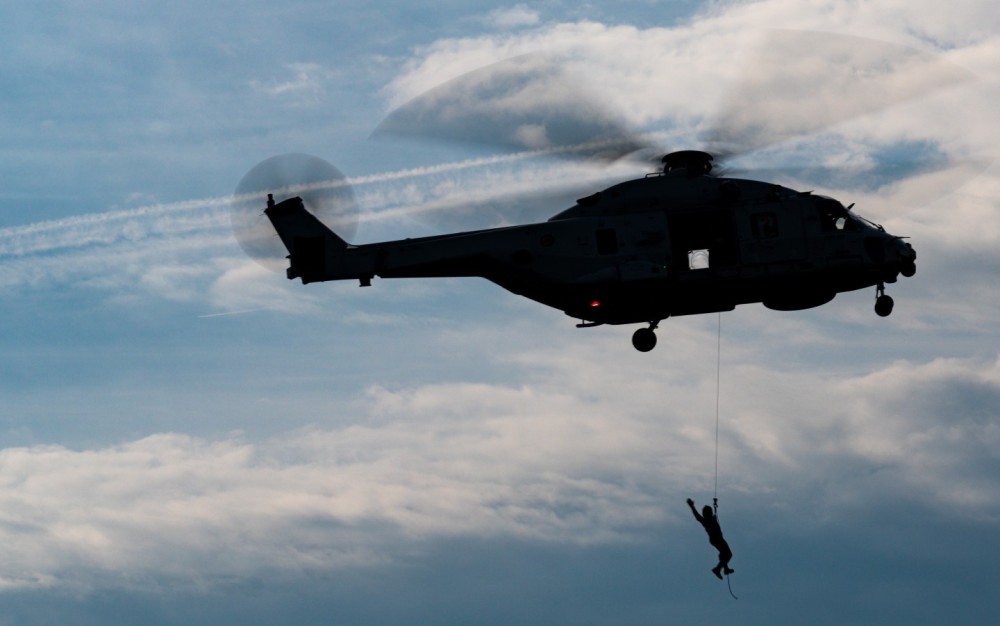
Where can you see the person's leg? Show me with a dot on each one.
(725, 554)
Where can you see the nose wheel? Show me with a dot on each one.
(644, 339)
(883, 303)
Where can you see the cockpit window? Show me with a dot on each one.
(834, 216)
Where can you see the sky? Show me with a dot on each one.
(188, 437)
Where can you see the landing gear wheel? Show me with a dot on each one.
(644, 339)
(883, 305)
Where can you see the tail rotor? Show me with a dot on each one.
(324, 190)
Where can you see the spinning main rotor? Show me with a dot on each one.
(533, 103)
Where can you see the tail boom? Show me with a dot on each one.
(317, 254)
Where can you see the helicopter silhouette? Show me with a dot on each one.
(679, 242)
(683, 240)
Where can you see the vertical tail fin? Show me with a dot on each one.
(308, 240)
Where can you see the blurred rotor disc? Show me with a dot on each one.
(798, 83)
(529, 102)
(324, 191)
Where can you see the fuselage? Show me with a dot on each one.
(664, 245)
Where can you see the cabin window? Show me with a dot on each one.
(764, 225)
(696, 233)
(698, 260)
(607, 241)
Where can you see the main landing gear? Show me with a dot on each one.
(883, 303)
(644, 339)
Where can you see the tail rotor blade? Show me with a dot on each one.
(324, 191)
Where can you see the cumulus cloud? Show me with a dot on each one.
(575, 453)
(904, 431)
(325, 499)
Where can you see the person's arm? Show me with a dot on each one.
(697, 516)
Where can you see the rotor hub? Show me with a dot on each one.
(694, 162)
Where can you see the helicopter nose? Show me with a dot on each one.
(909, 253)
(903, 249)
(907, 256)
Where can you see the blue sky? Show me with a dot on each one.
(186, 437)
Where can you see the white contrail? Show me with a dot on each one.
(228, 313)
(166, 219)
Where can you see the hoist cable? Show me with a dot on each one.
(718, 385)
(718, 395)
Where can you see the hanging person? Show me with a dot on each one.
(711, 524)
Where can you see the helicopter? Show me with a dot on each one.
(676, 242)
(682, 240)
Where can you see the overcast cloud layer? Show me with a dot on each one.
(187, 437)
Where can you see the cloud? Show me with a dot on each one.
(305, 86)
(186, 250)
(569, 452)
(674, 76)
(514, 17)
(647, 74)
(172, 282)
(423, 418)
(244, 285)
(173, 507)
(904, 431)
